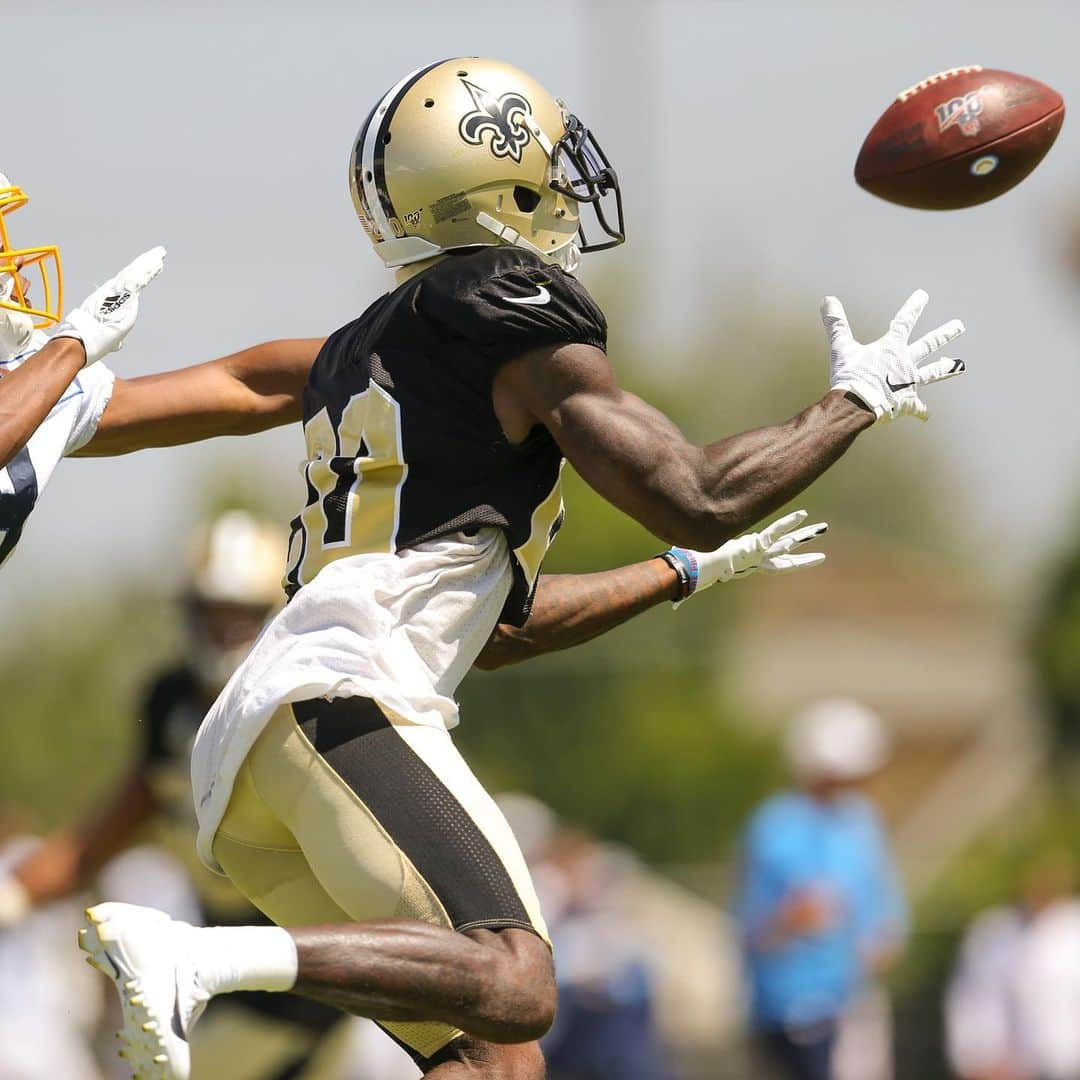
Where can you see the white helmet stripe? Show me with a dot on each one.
(371, 143)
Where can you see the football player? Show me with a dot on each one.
(326, 782)
(233, 585)
(52, 388)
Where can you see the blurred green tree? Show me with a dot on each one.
(1055, 649)
(70, 687)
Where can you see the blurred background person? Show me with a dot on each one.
(50, 1002)
(819, 901)
(1012, 1008)
(605, 1025)
(233, 584)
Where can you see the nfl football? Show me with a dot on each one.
(959, 138)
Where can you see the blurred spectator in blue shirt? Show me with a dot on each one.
(819, 902)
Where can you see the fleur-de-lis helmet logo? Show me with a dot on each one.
(502, 118)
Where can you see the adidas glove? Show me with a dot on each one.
(885, 375)
(769, 551)
(104, 318)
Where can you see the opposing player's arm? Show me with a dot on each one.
(29, 393)
(638, 459)
(88, 332)
(66, 859)
(249, 391)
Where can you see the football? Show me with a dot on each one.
(959, 138)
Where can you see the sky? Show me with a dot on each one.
(222, 131)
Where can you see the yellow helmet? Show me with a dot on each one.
(14, 263)
(471, 153)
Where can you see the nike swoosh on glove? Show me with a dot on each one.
(106, 316)
(886, 375)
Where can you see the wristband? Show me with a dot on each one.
(14, 901)
(685, 565)
(680, 573)
(688, 559)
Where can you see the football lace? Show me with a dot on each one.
(933, 79)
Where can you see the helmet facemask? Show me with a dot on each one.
(16, 326)
(578, 174)
(19, 316)
(581, 171)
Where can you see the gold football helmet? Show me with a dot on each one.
(16, 262)
(469, 153)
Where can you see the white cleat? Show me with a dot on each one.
(148, 956)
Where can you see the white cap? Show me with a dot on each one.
(836, 739)
(238, 559)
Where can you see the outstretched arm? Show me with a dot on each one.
(29, 393)
(249, 391)
(90, 331)
(636, 458)
(570, 609)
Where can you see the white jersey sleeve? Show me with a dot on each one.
(95, 386)
(70, 425)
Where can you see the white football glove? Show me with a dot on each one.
(104, 318)
(885, 375)
(769, 551)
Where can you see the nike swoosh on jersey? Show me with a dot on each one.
(542, 297)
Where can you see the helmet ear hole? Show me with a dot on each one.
(526, 199)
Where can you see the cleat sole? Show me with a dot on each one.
(142, 1044)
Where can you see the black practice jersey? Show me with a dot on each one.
(403, 442)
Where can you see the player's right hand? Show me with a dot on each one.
(886, 375)
(104, 318)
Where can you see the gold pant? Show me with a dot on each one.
(343, 812)
(241, 1044)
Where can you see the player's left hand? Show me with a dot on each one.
(769, 551)
(886, 375)
(105, 317)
